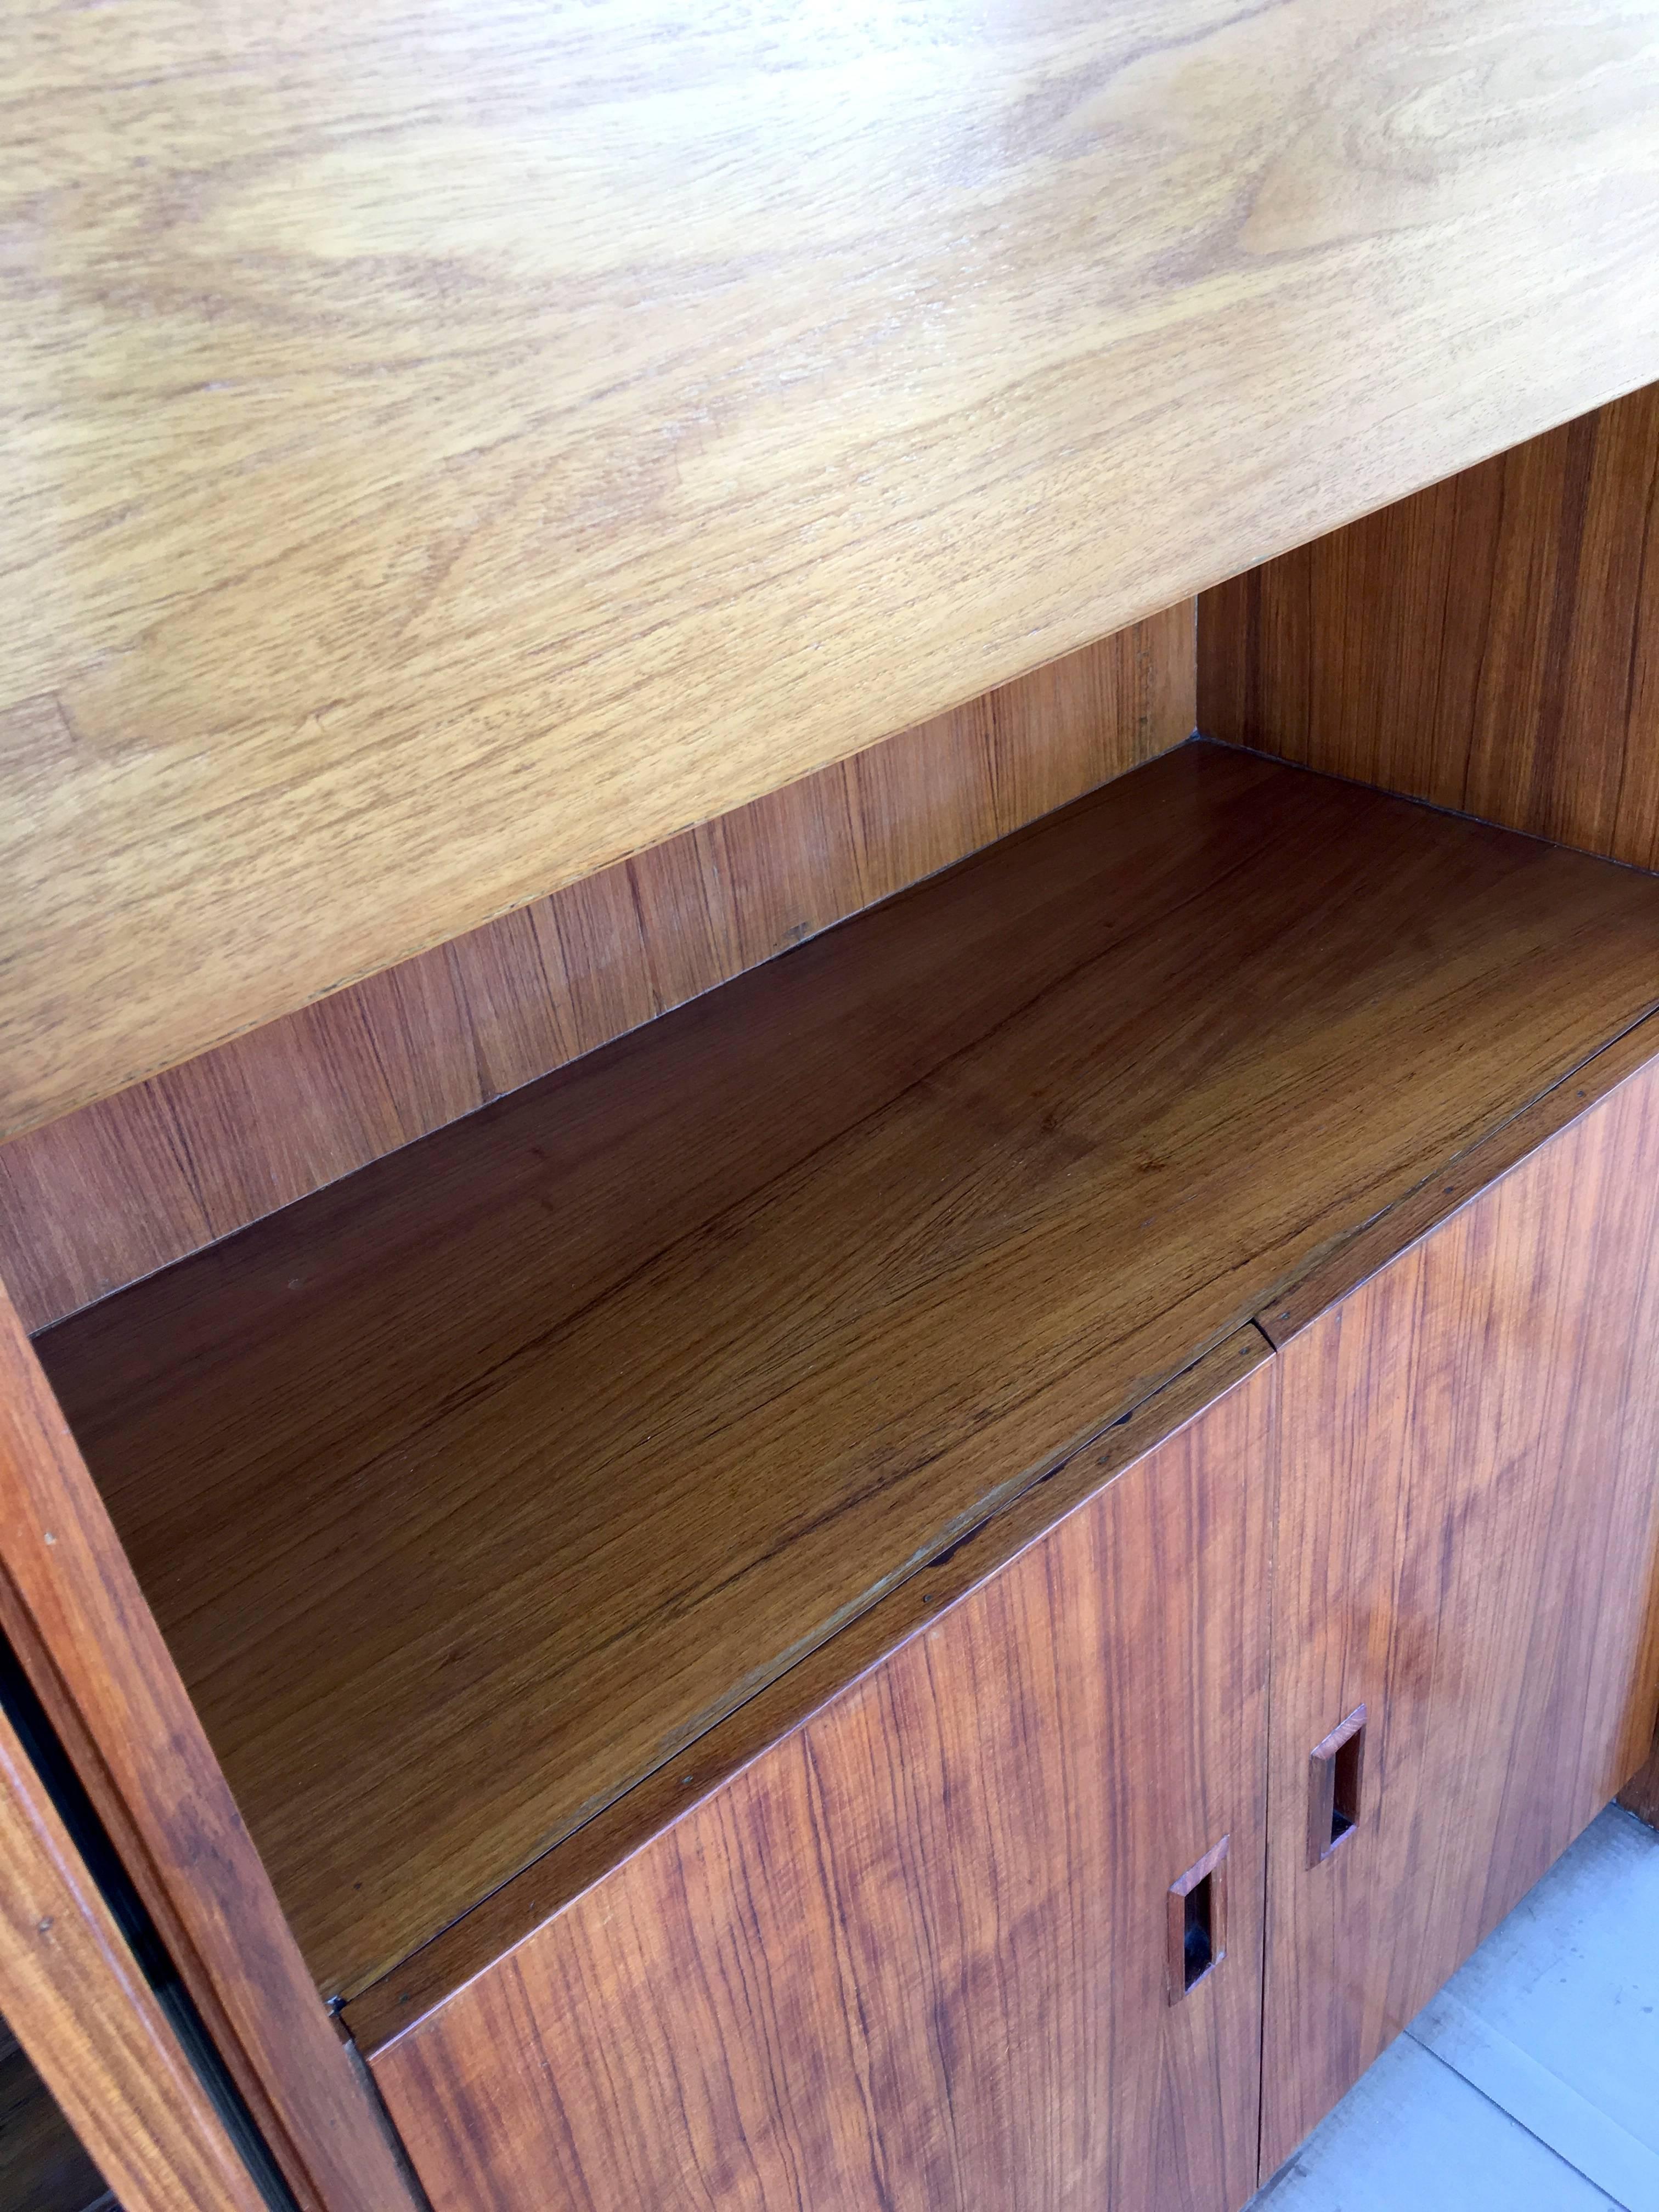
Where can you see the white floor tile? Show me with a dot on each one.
(1546, 2106)
(1414, 2137)
(1531, 2083)
(1570, 1982)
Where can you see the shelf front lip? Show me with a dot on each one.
(397, 2001)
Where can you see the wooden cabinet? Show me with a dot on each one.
(733, 1591)
(876, 1954)
(697, 1206)
(471, 1492)
(1468, 1515)
(861, 1596)
(927, 1950)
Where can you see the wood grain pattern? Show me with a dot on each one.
(1491, 644)
(915, 1954)
(77, 1621)
(470, 1492)
(503, 1920)
(1468, 1533)
(43, 2167)
(89, 2024)
(1353, 1259)
(1640, 1794)
(99, 1198)
(456, 448)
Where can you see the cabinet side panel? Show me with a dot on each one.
(77, 2003)
(1466, 1548)
(81, 1628)
(918, 1952)
(1490, 644)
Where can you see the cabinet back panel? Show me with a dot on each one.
(471, 1488)
(1491, 644)
(1467, 1546)
(99, 1198)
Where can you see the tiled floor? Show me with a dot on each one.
(1531, 2083)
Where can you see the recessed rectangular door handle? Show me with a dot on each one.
(1336, 1781)
(1196, 1924)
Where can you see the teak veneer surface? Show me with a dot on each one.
(471, 1489)
(451, 448)
(423, 1981)
(43, 2166)
(96, 1199)
(1467, 1531)
(916, 1954)
(72, 1612)
(1490, 644)
(98, 2039)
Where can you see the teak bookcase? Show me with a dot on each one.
(766, 1441)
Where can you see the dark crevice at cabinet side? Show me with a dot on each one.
(91, 1839)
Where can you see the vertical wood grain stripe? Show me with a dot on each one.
(93, 2028)
(87, 1639)
(123, 1187)
(1490, 644)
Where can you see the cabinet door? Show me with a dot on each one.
(930, 1950)
(1465, 1549)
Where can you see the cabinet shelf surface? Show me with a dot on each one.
(471, 1488)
